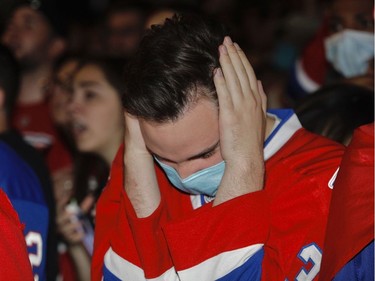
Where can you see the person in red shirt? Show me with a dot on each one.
(208, 184)
(35, 33)
(341, 49)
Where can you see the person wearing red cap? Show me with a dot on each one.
(341, 50)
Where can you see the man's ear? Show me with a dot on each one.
(56, 48)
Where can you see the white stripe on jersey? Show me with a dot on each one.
(285, 130)
(220, 265)
(333, 179)
(125, 270)
(121, 268)
(211, 269)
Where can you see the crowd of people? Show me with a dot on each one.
(219, 140)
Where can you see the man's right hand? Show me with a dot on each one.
(140, 179)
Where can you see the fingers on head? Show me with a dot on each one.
(240, 65)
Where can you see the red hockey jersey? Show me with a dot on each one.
(273, 234)
(37, 128)
(351, 220)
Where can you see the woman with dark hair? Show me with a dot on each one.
(97, 124)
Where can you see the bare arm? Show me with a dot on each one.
(82, 261)
(140, 180)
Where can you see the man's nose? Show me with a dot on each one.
(186, 169)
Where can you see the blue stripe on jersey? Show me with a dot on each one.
(251, 270)
(202, 199)
(283, 115)
(108, 275)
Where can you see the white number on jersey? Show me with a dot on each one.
(310, 253)
(35, 239)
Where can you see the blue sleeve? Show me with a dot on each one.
(23, 188)
(361, 267)
(17, 178)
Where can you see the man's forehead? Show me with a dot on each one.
(195, 131)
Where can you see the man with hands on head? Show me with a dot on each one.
(208, 185)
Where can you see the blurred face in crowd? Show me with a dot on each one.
(158, 17)
(97, 114)
(352, 14)
(124, 32)
(350, 44)
(28, 35)
(61, 92)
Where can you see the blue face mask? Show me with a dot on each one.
(349, 51)
(204, 182)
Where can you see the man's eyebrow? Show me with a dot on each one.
(199, 155)
(204, 152)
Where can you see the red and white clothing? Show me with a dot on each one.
(310, 70)
(36, 126)
(273, 234)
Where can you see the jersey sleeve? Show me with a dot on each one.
(14, 261)
(125, 247)
(351, 220)
(223, 242)
(107, 216)
(361, 265)
(300, 177)
(150, 243)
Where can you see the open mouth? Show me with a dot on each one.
(78, 128)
